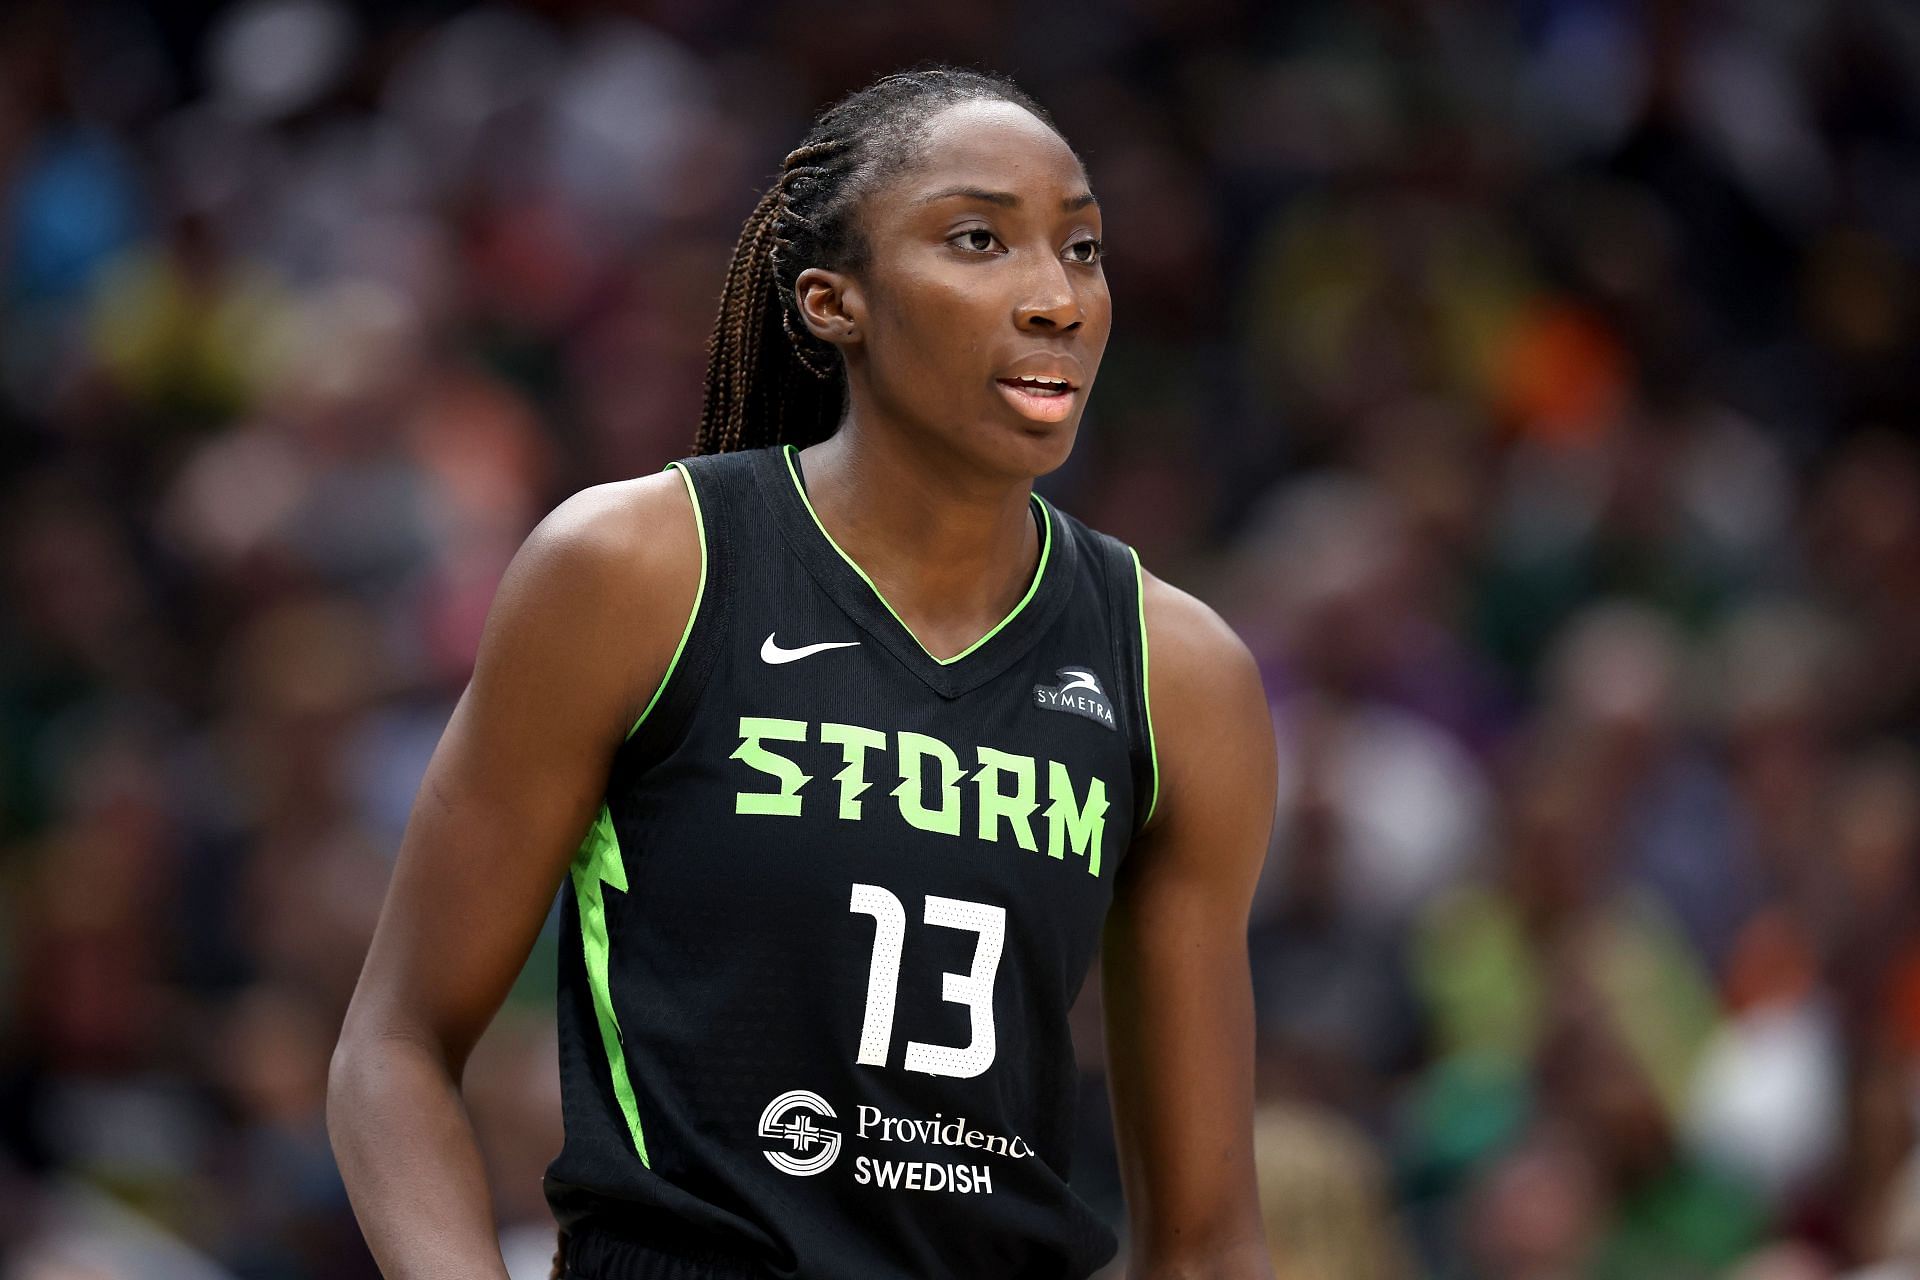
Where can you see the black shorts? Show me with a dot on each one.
(598, 1255)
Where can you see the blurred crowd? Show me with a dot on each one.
(1534, 386)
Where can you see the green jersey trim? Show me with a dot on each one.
(1146, 681)
(599, 862)
(700, 526)
(1040, 572)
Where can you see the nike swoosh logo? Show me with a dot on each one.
(771, 652)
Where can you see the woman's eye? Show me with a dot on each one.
(1096, 250)
(975, 231)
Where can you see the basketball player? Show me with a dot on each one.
(872, 749)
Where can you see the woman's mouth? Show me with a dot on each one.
(1042, 399)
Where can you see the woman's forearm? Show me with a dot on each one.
(406, 1149)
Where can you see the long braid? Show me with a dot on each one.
(769, 379)
(734, 349)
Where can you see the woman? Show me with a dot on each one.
(857, 729)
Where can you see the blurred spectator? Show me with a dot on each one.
(1324, 1197)
(1533, 385)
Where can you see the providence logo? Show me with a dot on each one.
(789, 1119)
(1078, 692)
(801, 1146)
(874, 1125)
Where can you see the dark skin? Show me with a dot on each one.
(925, 485)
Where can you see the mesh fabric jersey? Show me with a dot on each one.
(819, 946)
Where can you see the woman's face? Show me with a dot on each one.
(984, 265)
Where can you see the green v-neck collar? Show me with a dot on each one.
(779, 474)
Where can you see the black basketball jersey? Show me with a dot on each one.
(819, 946)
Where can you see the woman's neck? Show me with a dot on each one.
(951, 552)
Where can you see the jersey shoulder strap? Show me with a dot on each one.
(720, 487)
(1117, 567)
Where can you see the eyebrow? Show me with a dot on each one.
(1008, 200)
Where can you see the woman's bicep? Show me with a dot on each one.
(1175, 984)
(581, 628)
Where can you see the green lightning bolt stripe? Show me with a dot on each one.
(598, 861)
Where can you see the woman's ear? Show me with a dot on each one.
(830, 304)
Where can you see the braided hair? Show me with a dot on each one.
(769, 379)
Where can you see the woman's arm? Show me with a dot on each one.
(581, 629)
(1174, 975)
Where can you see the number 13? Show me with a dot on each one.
(973, 989)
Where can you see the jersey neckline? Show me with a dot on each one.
(778, 472)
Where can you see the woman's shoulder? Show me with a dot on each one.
(1212, 728)
(641, 528)
(614, 570)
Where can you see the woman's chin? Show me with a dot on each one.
(1035, 448)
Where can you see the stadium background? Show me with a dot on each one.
(1533, 385)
